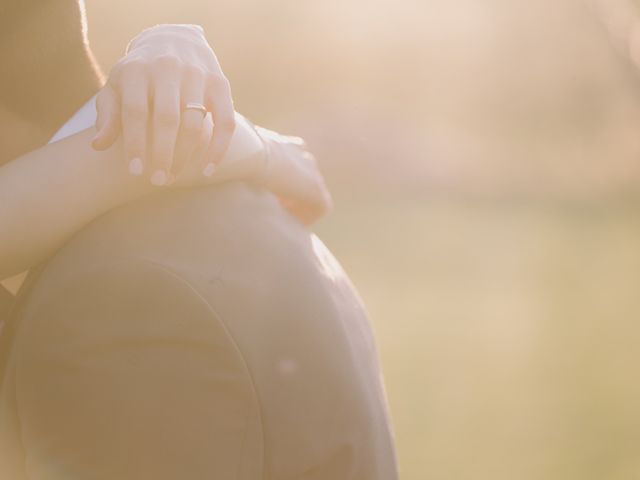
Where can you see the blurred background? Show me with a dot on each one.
(485, 161)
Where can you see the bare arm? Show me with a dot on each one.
(49, 194)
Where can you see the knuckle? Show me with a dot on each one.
(218, 80)
(225, 85)
(193, 71)
(135, 110)
(212, 81)
(128, 67)
(167, 62)
(136, 63)
(227, 124)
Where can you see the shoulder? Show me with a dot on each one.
(178, 241)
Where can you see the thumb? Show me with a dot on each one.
(108, 118)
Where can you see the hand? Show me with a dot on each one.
(292, 173)
(165, 67)
(244, 160)
(279, 163)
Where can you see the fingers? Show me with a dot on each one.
(134, 117)
(191, 171)
(108, 118)
(166, 118)
(218, 101)
(191, 121)
(146, 102)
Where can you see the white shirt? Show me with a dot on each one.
(84, 118)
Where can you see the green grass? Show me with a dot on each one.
(509, 332)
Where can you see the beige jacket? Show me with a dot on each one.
(197, 334)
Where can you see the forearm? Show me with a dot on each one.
(49, 194)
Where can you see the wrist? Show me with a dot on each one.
(262, 173)
(186, 31)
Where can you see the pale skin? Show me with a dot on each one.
(165, 68)
(70, 184)
(49, 194)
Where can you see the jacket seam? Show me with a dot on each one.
(224, 325)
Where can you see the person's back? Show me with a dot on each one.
(194, 334)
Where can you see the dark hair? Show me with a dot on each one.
(47, 65)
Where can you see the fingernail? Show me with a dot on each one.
(159, 178)
(135, 166)
(209, 169)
